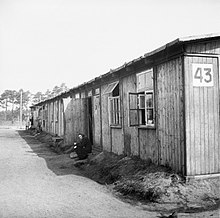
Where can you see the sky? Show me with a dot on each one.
(44, 43)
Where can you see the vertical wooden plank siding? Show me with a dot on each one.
(48, 116)
(97, 120)
(215, 159)
(147, 142)
(170, 114)
(117, 141)
(106, 139)
(56, 107)
(202, 120)
(52, 117)
(131, 142)
(61, 118)
(212, 47)
(78, 119)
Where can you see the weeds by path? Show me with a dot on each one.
(157, 186)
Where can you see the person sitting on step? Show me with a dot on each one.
(81, 149)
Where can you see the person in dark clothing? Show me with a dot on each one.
(81, 149)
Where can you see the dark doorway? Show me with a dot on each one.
(90, 119)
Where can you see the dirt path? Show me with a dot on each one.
(35, 182)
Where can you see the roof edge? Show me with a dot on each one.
(172, 43)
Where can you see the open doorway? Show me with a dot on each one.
(90, 119)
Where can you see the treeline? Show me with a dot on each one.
(10, 101)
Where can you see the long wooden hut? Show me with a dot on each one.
(163, 106)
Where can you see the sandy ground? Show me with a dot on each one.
(34, 183)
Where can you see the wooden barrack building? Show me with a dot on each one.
(163, 106)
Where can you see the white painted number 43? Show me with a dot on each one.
(202, 74)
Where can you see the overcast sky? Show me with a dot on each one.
(44, 43)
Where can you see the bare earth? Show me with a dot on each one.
(33, 185)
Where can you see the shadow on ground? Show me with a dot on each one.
(60, 164)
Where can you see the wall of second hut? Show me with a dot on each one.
(202, 115)
(75, 120)
(170, 114)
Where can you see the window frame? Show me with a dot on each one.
(110, 88)
(142, 93)
(114, 111)
(114, 105)
(133, 109)
(150, 108)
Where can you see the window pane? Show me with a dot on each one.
(142, 119)
(145, 80)
(114, 107)
(149, 100)
(150, 116)
(149, 80)
(97, 91)
(141, 81)
(141, 101)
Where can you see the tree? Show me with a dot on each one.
(7, 97)
(37, 97)
(10, 101)
(57, 90)
(63, 87)
(47, 94)
(26, 95)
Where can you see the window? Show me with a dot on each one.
(77, 95)
(90, 93)
(114, 110)
(111, 87)
(114, 104)
(97, 91)
(141, 104)
(83, 95)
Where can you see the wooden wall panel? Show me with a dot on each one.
(148, 146)
(51, 117)
(212, 47)
(61, 118)
(56, 117)
(106, 140)
(79, 117)
(131, 144)
(97, 121)
(117, 141)
(202, 121)
(170, 114)
(69, 138)
(75, 120)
